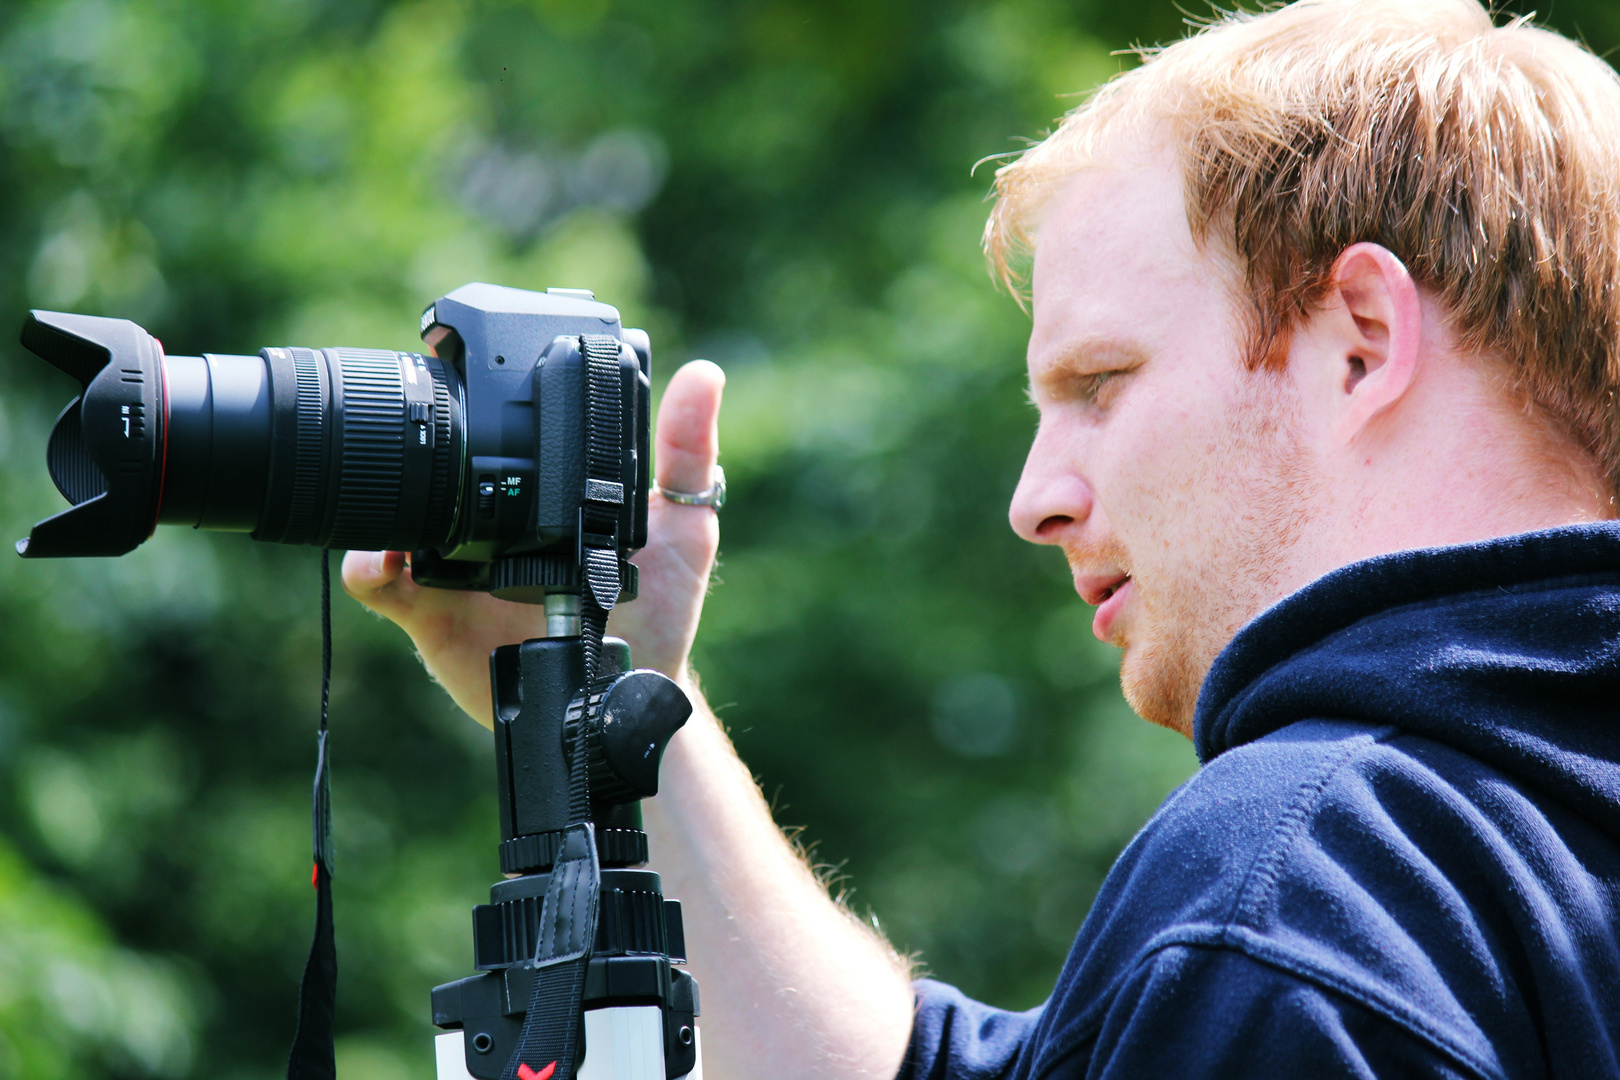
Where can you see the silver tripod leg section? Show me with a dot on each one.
(449, 1051)
(624, 1043)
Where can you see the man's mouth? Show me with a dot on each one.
(1096, 589)
(1109, 593)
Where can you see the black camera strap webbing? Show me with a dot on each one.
(604, 492)
(551, 1029)
(549, 1039)
(313, 1055)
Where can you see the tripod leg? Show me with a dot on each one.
(624, 1043)
(450, 1054)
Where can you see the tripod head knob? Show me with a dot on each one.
(629, 720)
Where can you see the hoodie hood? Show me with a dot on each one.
(1508, 650)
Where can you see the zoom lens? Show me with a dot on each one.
(342, 448)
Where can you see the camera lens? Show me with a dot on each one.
(344, 448)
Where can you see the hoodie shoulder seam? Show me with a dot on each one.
(1262, 876)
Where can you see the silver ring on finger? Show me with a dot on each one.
(714, 495)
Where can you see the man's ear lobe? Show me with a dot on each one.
(1376, 336)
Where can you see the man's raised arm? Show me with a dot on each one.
(793, 986)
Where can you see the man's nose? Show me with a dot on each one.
(1051, 496)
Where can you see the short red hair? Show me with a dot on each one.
(1486, 158)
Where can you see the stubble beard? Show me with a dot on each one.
(1194, 608)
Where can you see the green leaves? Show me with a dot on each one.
(70, 996)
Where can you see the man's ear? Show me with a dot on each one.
(1374, 320)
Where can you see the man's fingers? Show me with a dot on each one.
(368, 571)
(376, 578)
(688, 439)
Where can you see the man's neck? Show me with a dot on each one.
(1457, 460)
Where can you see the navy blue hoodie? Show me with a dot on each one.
(1401, 857)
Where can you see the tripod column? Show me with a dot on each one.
(533, 684)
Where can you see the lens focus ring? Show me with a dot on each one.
(300, 393)
(308, 371)
(366, 449)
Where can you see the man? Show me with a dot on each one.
(1325, 347)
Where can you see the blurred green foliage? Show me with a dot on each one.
(780, 185)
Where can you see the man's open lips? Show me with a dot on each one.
(1096, 589)
(1109, 593)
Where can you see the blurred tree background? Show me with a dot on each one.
(783, 186)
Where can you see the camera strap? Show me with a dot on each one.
(549, 1040)
(603, 499)
(313, 1055)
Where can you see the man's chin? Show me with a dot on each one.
(1158, 685)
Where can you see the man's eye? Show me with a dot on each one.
(1092, 386)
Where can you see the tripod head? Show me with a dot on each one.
(638, 1005)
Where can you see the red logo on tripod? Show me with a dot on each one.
(526, 1073)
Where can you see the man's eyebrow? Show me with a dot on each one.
(1082, 358)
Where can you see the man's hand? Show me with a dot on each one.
(455, 631)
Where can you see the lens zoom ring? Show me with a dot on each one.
(311, 419)
(373, 454)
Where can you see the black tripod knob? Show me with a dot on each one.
(629, 720)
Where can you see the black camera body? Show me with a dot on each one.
(474, 457)
(523, 370)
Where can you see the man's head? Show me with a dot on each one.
(1310, 286)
